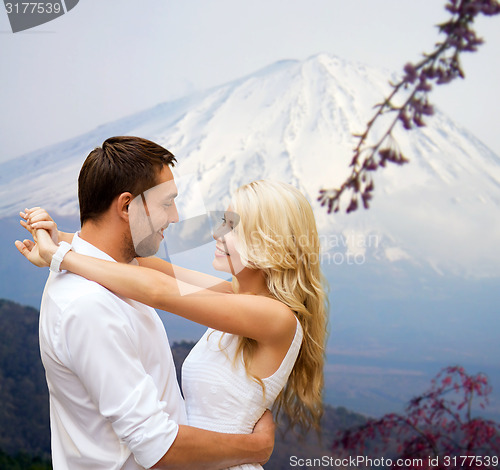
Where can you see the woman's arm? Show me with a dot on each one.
(37, 217)
(196, 278)
(263, 319)
(65, 236)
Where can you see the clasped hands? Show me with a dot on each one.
(45, 235)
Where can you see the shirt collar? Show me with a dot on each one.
(85, 248)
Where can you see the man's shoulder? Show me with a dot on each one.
(67, 283)
(68, 289)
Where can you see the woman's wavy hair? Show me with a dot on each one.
(277, 234)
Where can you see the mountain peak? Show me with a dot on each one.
(293, 121)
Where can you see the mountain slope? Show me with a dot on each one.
(293, 121)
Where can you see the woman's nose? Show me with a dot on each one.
(219, 232)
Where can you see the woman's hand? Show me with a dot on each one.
(38, 218)
(30, 251)
(44, 231)
(39, 252)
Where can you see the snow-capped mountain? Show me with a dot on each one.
(293, 121)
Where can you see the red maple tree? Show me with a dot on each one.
(438, 429)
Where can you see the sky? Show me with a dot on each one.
(104, 60)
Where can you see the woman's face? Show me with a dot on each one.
(227, 257)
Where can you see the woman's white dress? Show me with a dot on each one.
(222, 397)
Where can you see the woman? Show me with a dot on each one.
(265, 344)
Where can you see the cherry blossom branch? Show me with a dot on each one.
(441, 67)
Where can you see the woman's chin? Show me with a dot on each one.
(221, 264)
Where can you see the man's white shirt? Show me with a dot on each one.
(114, 398)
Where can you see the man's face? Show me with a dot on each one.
(151, 212)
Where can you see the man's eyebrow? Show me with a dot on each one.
(170, 196)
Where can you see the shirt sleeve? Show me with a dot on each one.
(100, 348)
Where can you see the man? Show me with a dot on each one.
(115, 401)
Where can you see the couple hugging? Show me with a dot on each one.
(114, 399)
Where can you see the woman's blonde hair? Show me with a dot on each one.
(277, 234)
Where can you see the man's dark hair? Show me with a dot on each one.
(121, 164)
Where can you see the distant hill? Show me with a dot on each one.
(24, 410)
(23, 461)
(311, 446)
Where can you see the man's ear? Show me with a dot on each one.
(122, 203)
